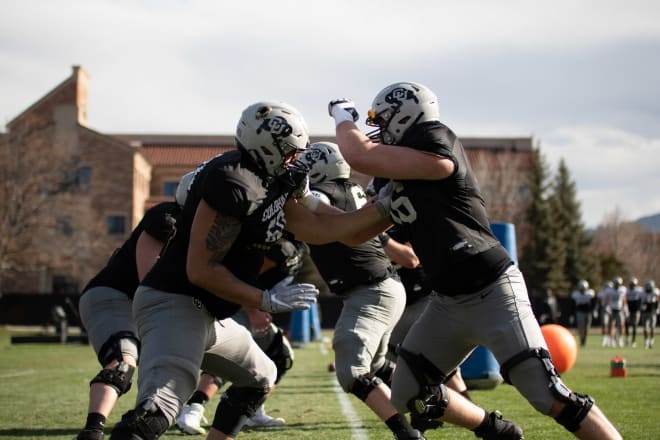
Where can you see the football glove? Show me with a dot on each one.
(343, 110)
(305, 196)
(284, 297)
(384, 201)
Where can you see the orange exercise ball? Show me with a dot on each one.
(562, 346)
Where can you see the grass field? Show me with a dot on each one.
(44, 390)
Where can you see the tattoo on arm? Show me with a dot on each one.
(224, 231)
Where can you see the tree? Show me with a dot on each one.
(626, 249)
(36, 179)
(579, 262)
(535, 261)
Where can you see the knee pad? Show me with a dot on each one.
(364, 385)
(577, 406)
(385, 372)
(281, 353)
(432, 397)
(116, 345)
(576, 409)
(147, 422)
(235, 407)
(119, 378)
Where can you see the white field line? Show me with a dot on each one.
(357, 427)
(16, 374)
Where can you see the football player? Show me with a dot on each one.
(583, 300)
(481, 297)
(634, 295)
(372, 295)
(649, 312)
(105, 312)
(615, 298)
(284, 259)
(238, 206)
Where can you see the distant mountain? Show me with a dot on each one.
(651, 222)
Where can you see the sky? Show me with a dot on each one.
(581, 77)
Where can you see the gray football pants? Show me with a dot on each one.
(499, 317)
(179, 337)
(105, 311)
(363, 329)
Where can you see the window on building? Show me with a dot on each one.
(169, 188)
(84, 178)
(116, 224)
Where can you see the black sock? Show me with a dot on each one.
(399, 424)
(95, 421)
(198, 397)
(485, 423)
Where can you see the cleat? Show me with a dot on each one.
(424, 424)
(261, 419)
(494, 427)
(415, 435)
(191, 418)
(90, 434)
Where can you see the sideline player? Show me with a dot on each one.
(615, 298)
(480, 295)
(649, 312)
(583, 299)
(634, 295)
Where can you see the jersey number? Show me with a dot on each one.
(402, 210)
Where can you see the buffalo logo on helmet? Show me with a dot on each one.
(399, 94)
(278, 127)
(314, 155)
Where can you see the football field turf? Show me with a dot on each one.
(44, 392)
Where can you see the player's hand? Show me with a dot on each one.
(384, 200)
(259, 321)
(284, 297)
(303, 194)
(303, 188)
(343, 110)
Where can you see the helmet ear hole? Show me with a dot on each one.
(265, 151)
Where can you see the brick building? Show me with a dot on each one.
(99, 185)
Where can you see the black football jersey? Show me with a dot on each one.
(343, 267)
(234, 186)
(121, 270)
(446, 219)
(413, 280)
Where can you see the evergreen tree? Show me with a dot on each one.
(569, 230)
(534, 262)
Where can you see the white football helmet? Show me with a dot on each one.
(325, 162)
(272, 133)
(398, 107)
(583, 285)
(182, 189)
